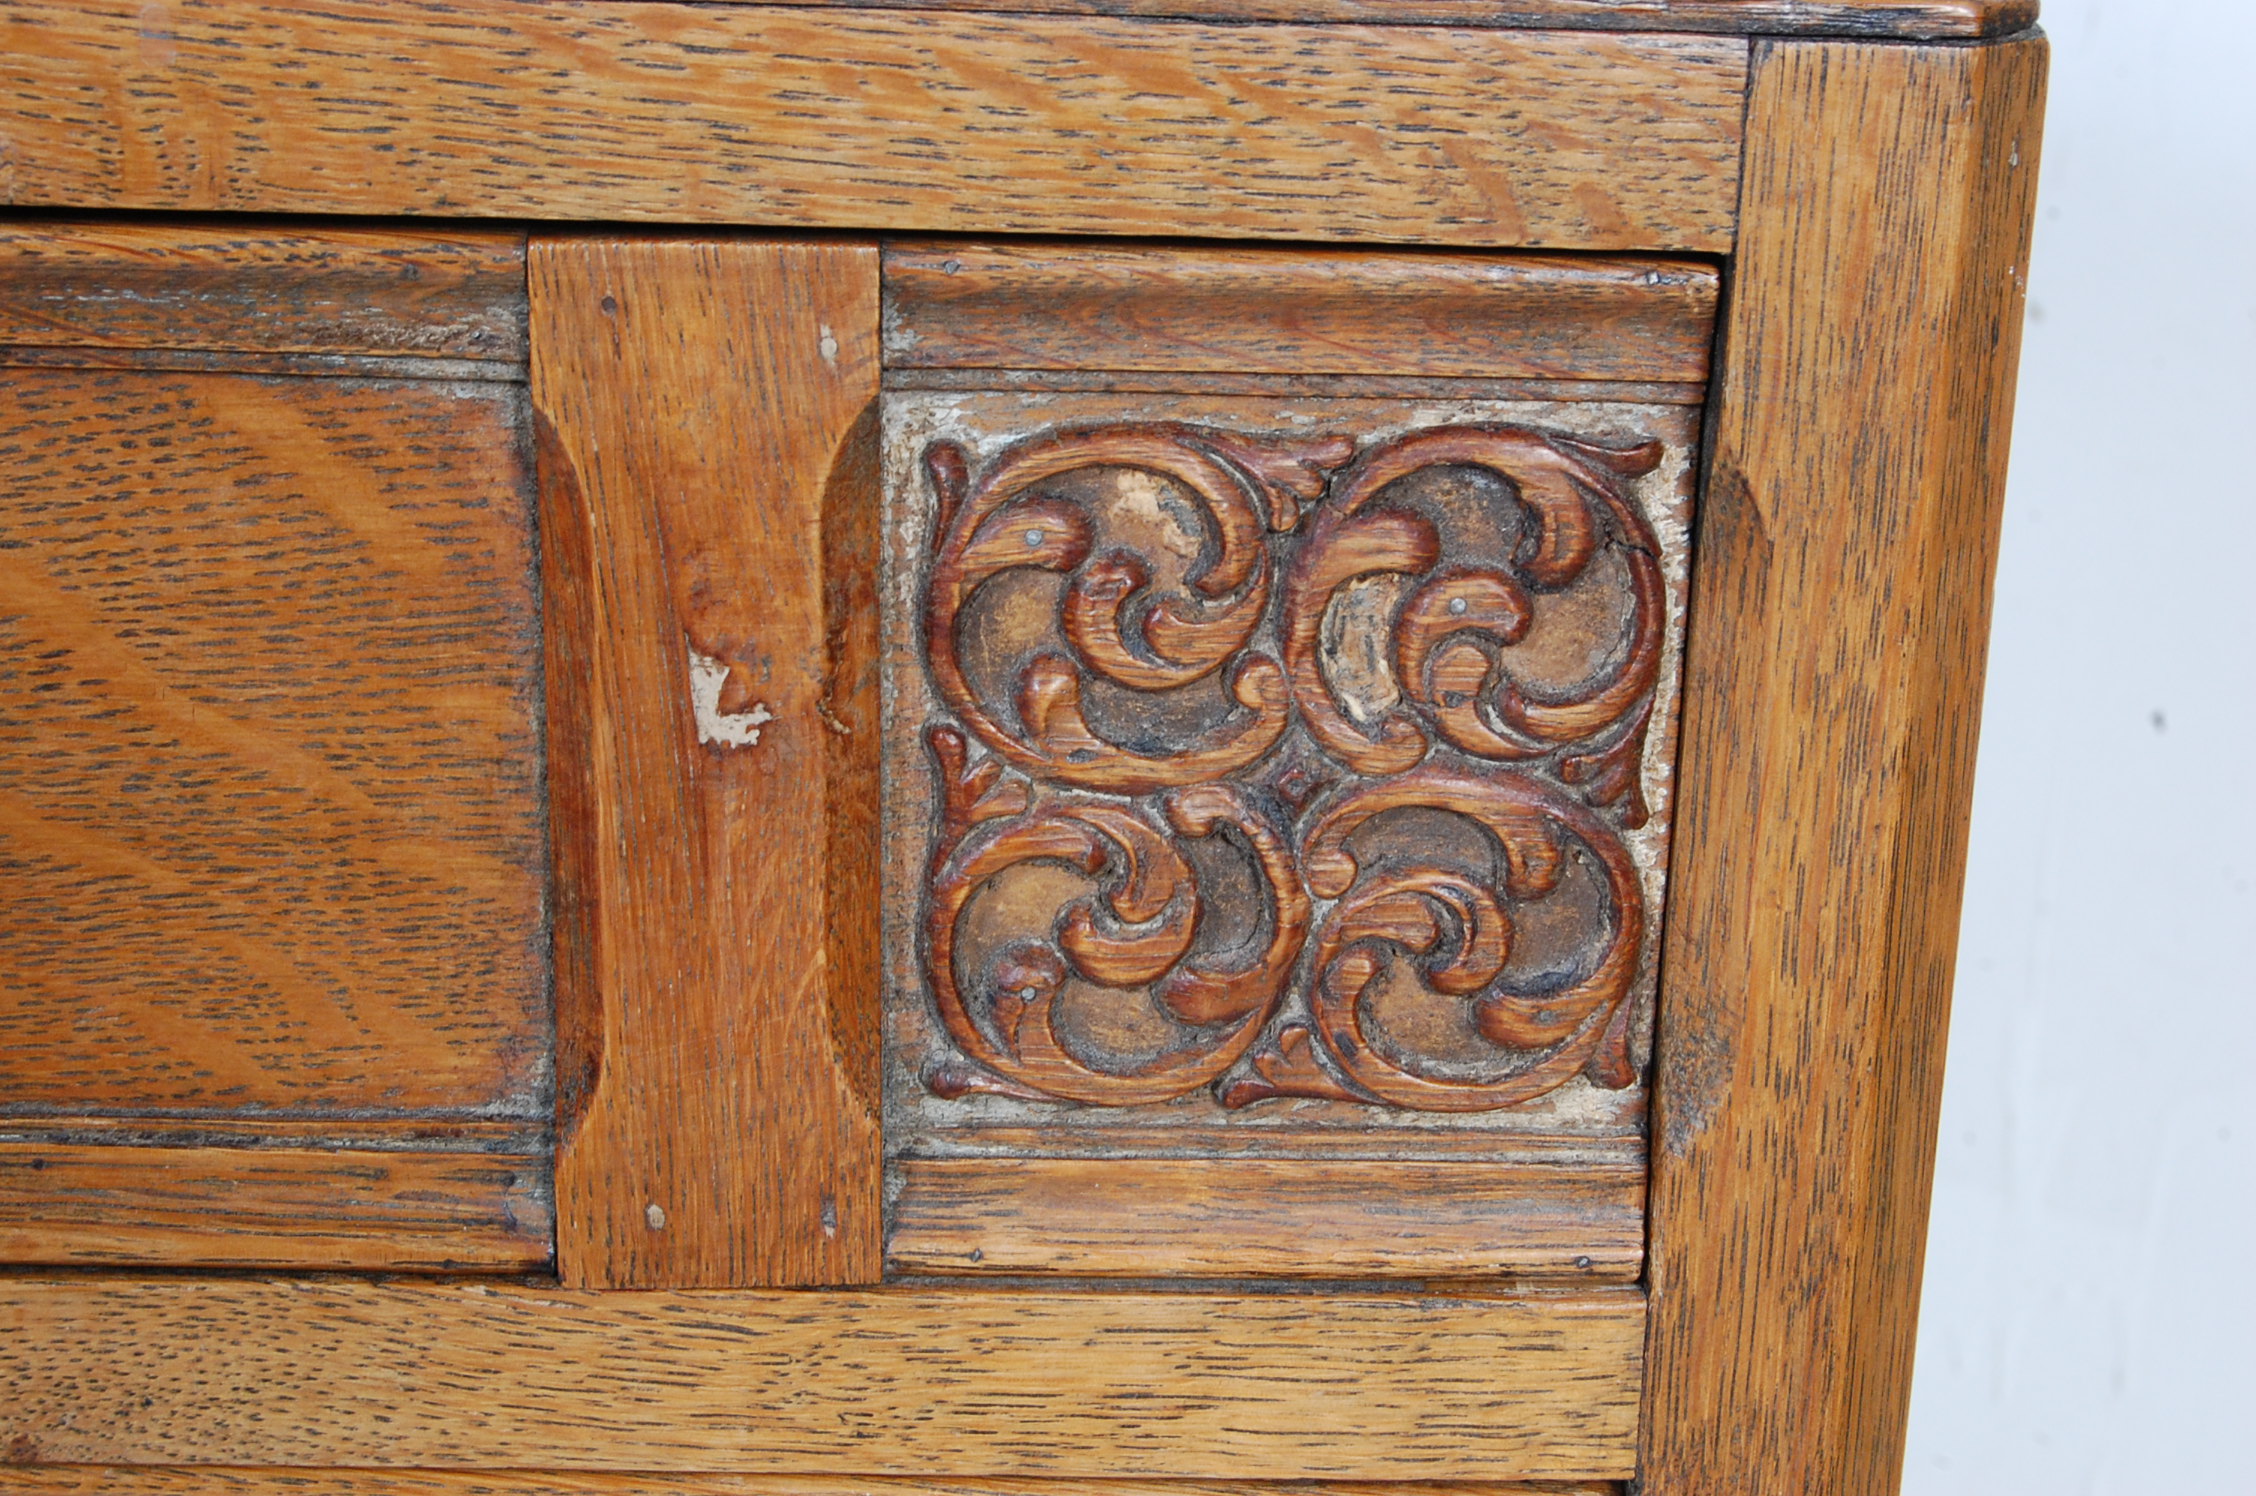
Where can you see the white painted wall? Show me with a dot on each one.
(2089, 1323)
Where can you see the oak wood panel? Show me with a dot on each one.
(1905, 19)
(270, 819)
(149, 1480)
(706, 405)
(1251, 1217)
(100, 1204)
(409, 1134)
(307, 365)
(428, 293)
(1240, 311)
(1834, 690)
(1002, 440)
(1319, 386)
(930, 1383)
(888, 120)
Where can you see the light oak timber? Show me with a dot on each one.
(1620, 1145)
(708, 413)
(426, 293)
(272, 1207)
(900, 121)
(294, 365)
(1252, 1217)
(1834, 687)
(1319, 386)
(147, 1480)
(270, 820)
(411, 1134)
(1254, 311)
(1901, 19)
(929, 1383)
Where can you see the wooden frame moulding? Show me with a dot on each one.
(1906, 20)
(884, 121)
(1841, 615)
(209, 1480)
(98, 1370)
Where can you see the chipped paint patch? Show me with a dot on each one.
(707, 676)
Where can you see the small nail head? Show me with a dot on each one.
(1033, 538)
(1457, 605)
(655, 1216)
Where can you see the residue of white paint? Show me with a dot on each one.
(730, 729)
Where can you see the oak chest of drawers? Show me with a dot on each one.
(1048, 748)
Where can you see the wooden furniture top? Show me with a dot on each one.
(1899, 20)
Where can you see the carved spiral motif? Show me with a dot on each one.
(1132, 937)
(1453, 924)
(1150, 623)
(1463, 600)
(1187, 765)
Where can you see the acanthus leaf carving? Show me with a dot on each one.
(1456, 621)
(1231, 689)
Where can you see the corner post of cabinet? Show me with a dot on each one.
(706, 414)
(1845, 560)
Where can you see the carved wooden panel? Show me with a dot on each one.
(1275, 775)
(1275, 772)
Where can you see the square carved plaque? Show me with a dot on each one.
(1271, 778)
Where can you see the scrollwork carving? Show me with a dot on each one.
(1461, 577)
(1216, 692)
(1126, 933)
(1167, 576)
(1431, 916)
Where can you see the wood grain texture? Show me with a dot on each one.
(705, 405)
(409, 1134)
(888, 120)
(1833, 694)
(430, 293)
(1237, 311)
(1317, 386)
(930, 1383)
(206, 1480)
(1900, 19)
(270, 818)
(102, 1204)
(1246, 1217)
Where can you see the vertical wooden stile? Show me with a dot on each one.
(707, 415)
(1833, 693)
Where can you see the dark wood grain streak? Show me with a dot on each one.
(147, 1480)
(706, 409)
(431, 293)
(955, 305)
(902, 121)
(270, 813)
(1833, 694)
(934, 1383)
(305, 365)
(1900, 19)
(106, 1205)
(410, 1134)
(1247, 1217)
